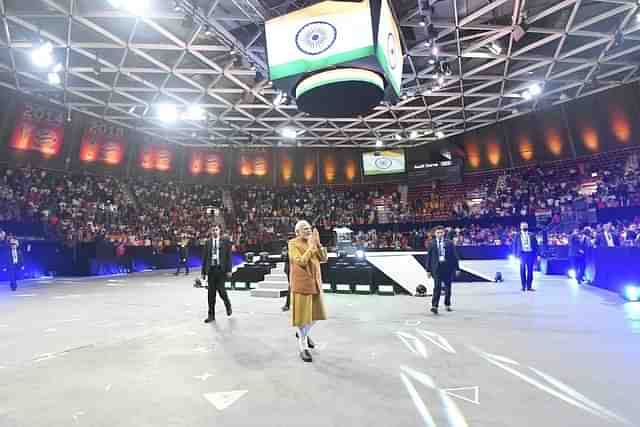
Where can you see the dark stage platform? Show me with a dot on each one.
(133, 351)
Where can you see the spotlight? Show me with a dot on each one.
(571, 274)
(427, 42)
(631, 293)
(413, 134)
(132, 109)
(398, 137)
(526, 95)
(207, 31)
(42, 55)
(360, 254)
(535, 89)
(54, 78)
(439, 134)
(435, 50)
(167, 113)
(379, 143)
(432, 61)
(289, 133)
(195, 112)
(441, 80)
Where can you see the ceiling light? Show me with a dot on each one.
(435, 50)
(413, 134)
(398, 137)
(439, 134)
(132, 109)
(207, 31)
(441, 80)
(137, 7)
(289, 133)
(404, 96)
(432, 61)
(195, 112)
(535, 89)
(54, 78)
(427, 42)
(167, 112)
(526, 95)
(379, 143)
(42, 55)
(177, 7)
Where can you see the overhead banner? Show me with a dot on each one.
(102, 144)
(38, 129)
(318, 36)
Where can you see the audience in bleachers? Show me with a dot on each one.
(81, 208)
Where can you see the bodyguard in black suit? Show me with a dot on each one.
(216, 269)
(525, 248)
(442, 264)
(577, 254)
(13, 260)
(183, 258)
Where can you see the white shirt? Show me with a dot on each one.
(610, 242)
(526, 242)
(441, 250)
(215, 252)
(14, 254)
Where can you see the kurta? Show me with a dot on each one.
(306, 282)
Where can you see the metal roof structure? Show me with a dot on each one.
(119, 66)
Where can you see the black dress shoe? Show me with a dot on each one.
(306, 356)
(434, 310)
(310, 343)
(531, 290)
(209, 319)
(449, 308)
(14, 288)
(229, 311)
(285, 308)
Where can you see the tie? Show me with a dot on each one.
(14, 255)
(215, 248)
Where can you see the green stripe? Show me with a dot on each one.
(305, 65)
(387, 69)
(337, 80)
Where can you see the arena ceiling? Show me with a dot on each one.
(119, 67)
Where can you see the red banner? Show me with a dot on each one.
(155, 157)
(253, 164)
(38, 129)
(102, 143)
(205, 162)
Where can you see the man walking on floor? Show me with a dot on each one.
(525, 248)
(442, 264)
(14, 262)
(216, 269)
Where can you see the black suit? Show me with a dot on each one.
(13, 265)
(285, 257)
(527, 258)
(442, 269)
(217, 273)
(577, 253)
(601, 240)
(183, 259)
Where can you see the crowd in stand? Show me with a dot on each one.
(84, 208)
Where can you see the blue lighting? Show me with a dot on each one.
(631, 293)
(571, 273)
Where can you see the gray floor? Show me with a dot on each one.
(133, 351)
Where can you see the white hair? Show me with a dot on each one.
(301, 224)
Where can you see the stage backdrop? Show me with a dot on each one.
(37, 137)
(103, 149)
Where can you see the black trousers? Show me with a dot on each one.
(526, 270)
(13, 275)
(182, 262)
(578, 263)
(287, 303)
(216, 280)
(441, 278)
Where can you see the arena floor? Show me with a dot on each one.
(134, 351)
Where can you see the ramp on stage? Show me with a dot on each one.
(401, 267)
(485, 270)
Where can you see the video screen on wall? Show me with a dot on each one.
(383, 162)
